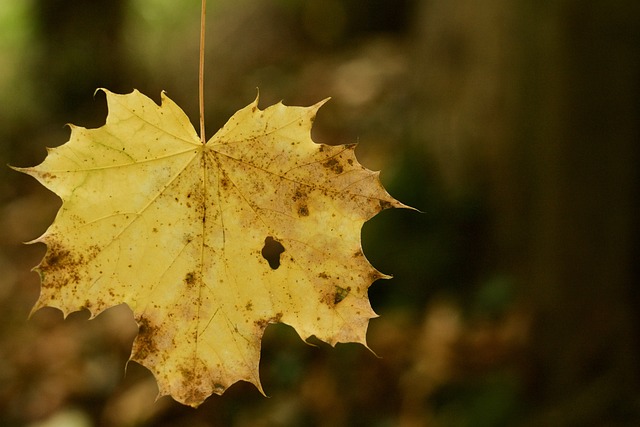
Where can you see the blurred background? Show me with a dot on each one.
(512, 125)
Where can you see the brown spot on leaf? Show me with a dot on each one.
(60, 267)
(303, 210)
(144, 343)
(375, 275)
(190, 278)
(333, 165)
(300, 197)
(262, 323)
(384, 204)
(48, 176)
(93, 251)
(56, 258)
(299, 194)
(224, 183)
(187, 374)
(192, 383)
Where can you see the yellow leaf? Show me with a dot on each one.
(209, 243)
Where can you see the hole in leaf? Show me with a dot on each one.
(271, 252)
(341, 293)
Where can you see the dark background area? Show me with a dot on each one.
(512, 125)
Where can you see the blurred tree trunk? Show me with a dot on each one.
(584, 220)
(535, 106)
(583, 145)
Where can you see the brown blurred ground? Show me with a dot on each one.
(512, 125)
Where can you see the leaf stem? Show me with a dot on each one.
(203, 14)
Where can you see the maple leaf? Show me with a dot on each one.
(209, 243)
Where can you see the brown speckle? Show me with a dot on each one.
(303, 210)
(190, 278)
(187, 374)
(193, 384)
(299, 194)
(384, 204)
(333, 165)
(262, 323)
(144, 344)
(374, 275)
(224, 183)
(56, 258)
(60, 267)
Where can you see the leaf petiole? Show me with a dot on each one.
(203, 14)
